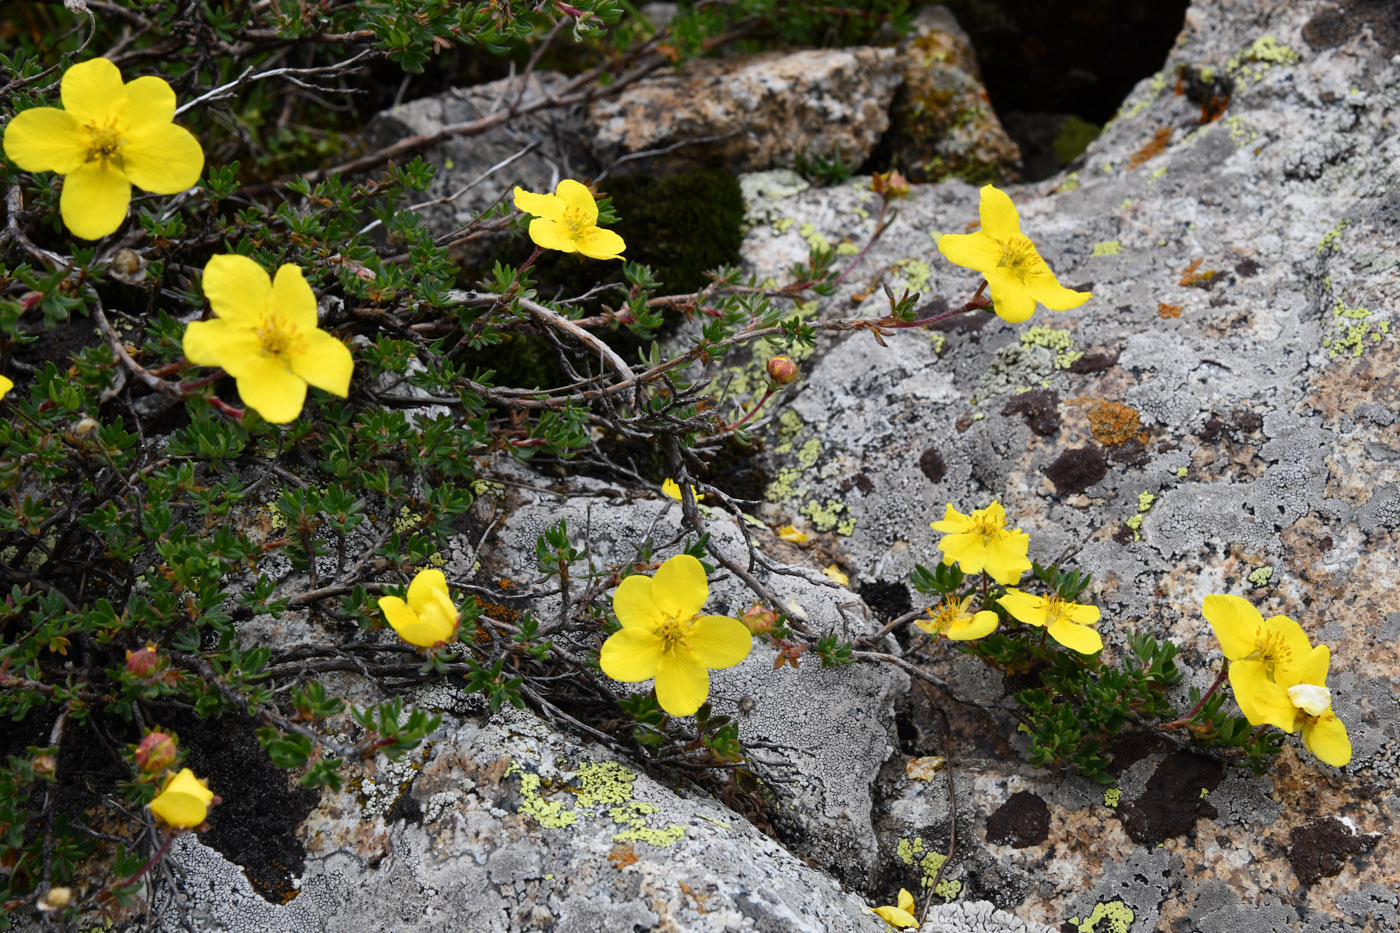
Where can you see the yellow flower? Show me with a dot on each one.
(429, 616)
(264, 335)
(5, 386)
(1070, 624)
(1266, 658)
(1323, 733)
(673, 489)
(184, 801)
(981, 541)
(834, 574)
(664, 636)
(902, 916)
(1016, 275)
(952, 620)
(790, 533)
(567, 220)
(108, 137)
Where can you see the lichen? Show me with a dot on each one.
(938, 342)
(847, 248)
(1181, 472)
(1112, 796)
(915, 273)
(810, 453)
(1106, 248)
(1145, 500)
(1331, 238)
(1070, 183)
(548, 813)
(1350, 329)
(815, 241)
(1266, 52)
(786, 486)
(600, 784)
(1159, 84)
(1261, 576)
(1241, 133)
(1118, 914)
(1113, 423)
(1059, 342)
(824, 516)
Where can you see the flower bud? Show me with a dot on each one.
(127, 267)
(155, 753)
(889, 185)
(43, 766)
(758, 619)
(782, 370)
(144, 663)
(54, 899)
(28, 300)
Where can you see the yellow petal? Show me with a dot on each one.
(272, 390)
(1262, 701)
(905, 901)
(149, 100)
(679, 588)
(999, 218)
(440, 616)
(630, 655)
(219, 343)
(682, 683)
(293, 298)
(966, 548)
(1046, 289)
(1006, 558)
(93, 91)
(972, 250)
(162, 158)
(1235, 621)
(238, 288)
(834, 574)
(900, 919)
(633, 605)
(94, 200)
(1025, 607)
(1297, 648)
(1083, 615)
(1312, 669)
(184, 801)
(952, 521)
(407, 623)
(45, 139)
(540, 205)
(719, 641)
(597, 243)
(671, 488)
(421, 588)
(1079, 638)
(578, 200)
(6, 385)
(325, 363)
(790, 533)
(550, 234)
(1010, 300)
(1326, 737)
(984, 623)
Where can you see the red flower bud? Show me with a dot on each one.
(758, 619)
(144, 663)
(155, 753)
(43, 766)
(782, 370)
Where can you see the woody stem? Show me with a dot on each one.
(977, 302)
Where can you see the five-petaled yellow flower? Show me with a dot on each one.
(567, 220)
(664, 636)
(1016, 275)
(429, 616)
(981, 541)
(1267, 656)
(1323, 733)
(900, 917)
(5, 386)
(108, 137)
(264, 334)
(184, 801)
(953, 620)
(1070, 624)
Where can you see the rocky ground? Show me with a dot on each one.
(1221, 417)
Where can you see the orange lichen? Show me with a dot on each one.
(1165, 310)
(622, 855)
(1113, 423)
(1190, 278)
(1154, 147)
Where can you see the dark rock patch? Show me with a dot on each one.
(1093, 363)
(1041, 409)
(1338, 23)
(1318, 849)
(933, 466)
(1173, 800)
(1077, 469)
(888, 599)
(1024, 820)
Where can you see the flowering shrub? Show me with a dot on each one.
(156, 518)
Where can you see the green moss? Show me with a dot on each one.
(1118, 914)
(1261, 576)
(1107, 248)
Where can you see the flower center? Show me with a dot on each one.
(1018, 255)
(950, 611)
(1272, 650)
(672, 633)
(279, 338)
(987, 527)
(577, 222)
(104, 143)
(1055, 610)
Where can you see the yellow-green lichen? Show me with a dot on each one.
(1058, 341)
(1127, 203)
(1135, 523)
(1145, 500)
(914, 272)
(1261, 576)
(938, 342)
(599, 784)
(1332, 237)
(789, 427)
(786, 486)
(1112, 796)
(1350, 329)
(1207, 74)
(1071, 181)
(1241, 133)
(846, 526)
(1266, 52)
(548, 813)
(633, 815)
(824, 516)
(847, 248)
(1159, 84)
(810, 453)
(815, 241)
(1106, 248)
(1118, 914)
(782, 225)
(1181, 472)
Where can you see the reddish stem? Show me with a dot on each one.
(772, 387)
(978, 302)
(880, 226)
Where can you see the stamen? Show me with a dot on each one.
(1017, 255)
